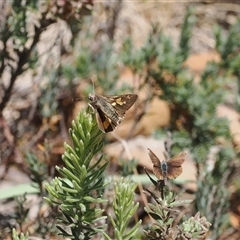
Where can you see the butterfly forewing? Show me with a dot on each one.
(156, 165)
(154, 158)
(177, 160)
(110, 110)
(122, 103)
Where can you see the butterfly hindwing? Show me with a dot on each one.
(105, 123)
(174, 172)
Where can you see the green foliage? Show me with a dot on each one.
(193, 106)
(158, 53)
(164, 212)
(193, 228)
(186, 33)
(38, 170)
(43, 225)
(21, 210)
(227, 46)
(167, 224)
(16, 237)
(127, 167)
(80, 190)
(78, 193)
(213, 195)
(90, 56)
(124, 208)
(194, 125)
(89, 63)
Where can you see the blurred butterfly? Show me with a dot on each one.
(170, 169)
(110, 110)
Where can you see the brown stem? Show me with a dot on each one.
(23, 57)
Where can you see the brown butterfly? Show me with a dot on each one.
(110, 110)
(170, 169)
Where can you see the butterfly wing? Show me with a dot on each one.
(105, 123)
(110, 110)
(156, 165)
(121, 103)
(175, 165)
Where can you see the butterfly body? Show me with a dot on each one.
(110, 110)
(164, 167)
(170, 169)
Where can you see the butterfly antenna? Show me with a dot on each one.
(93, 83)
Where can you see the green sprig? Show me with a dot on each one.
(124, 207)
(79, 191)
